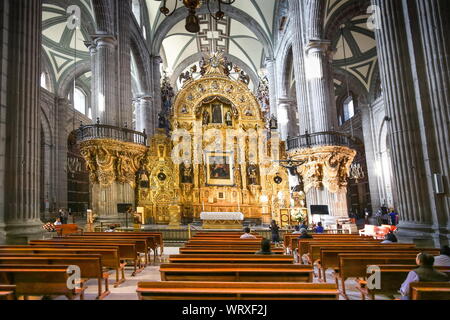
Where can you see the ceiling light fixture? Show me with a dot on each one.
(192, 20)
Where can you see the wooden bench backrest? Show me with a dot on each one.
(289, 237)
(230, 258)
(90, 266)
(141, 244)
(354, 265)
(303, 244)
(152, 241)
(236, 272)
(330, 256)
(430, 291)
(37, 280)
(392, 277)
(127, 250)
(176, 290)
(110, 255)
(223, 250)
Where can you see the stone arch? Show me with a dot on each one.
(230, 11)
(67, 81)
(143, 65)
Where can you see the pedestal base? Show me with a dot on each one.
(222, 224)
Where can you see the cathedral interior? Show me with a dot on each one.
(267, 108)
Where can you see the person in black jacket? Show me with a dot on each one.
(275, 232)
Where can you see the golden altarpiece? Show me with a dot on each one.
(218, 157)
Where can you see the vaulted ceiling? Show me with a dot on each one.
(228, 35)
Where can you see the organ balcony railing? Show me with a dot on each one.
(329, 138)
(103, 131)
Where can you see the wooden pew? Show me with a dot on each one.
(290, 239)
(391, 279)
(181, 290)
(66, 229)
(354, 265)
(155, 238)
(236, 272)
(39, 280)
(225, 250)
(225, 241)
(90, 266)
(142, 243)
(230, 258)
(430, 291)
(303, 244)
(127, 248)
(7, 292)
(110, 255)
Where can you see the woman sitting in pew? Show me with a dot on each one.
(425, 273)
(265, 247)
(390, 238)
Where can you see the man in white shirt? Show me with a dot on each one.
(247, 234)
(444, 259)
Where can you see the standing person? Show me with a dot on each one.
(275, 232)
(393, 216)
(63, 216)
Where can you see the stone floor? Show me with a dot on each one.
(127, 290)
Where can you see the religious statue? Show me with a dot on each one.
(228, 118)
(217, 113)
(252, 175)
(185, 76)
(162, 123)
(273, 123)
(205, 117)
(245, 78)
(186, 173)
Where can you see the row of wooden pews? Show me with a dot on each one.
(41, 267)
(222, 266)
(350, 256)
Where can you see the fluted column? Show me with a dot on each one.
(22, 159)
(144, 117)
(124, 61)
(105, 102)
(271, 72)
(434, 25)
(296, 8)
(156, 85)
(283, 120)
(318, 74)
(404, 136)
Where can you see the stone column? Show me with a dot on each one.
(124, 62)
(144, 117)
(318, 74)
(283, 120)
(271, 74)
(404, 136)
(296, 8)
(62, 107)
(156, 85)
(22, 152)
(433, 21)
(105, 101)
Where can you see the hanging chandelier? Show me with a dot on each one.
(192, 20)
(356, 172)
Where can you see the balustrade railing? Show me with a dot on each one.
(103, 131)
(329, 138)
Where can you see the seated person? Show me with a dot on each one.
(303, 226)
(425, 273)
(390, 238)
(111, 229)
(296, 230)
(58, 222)
(319, 228)
(443, 260)
(265, 247)
(304, 234)
(247, 234)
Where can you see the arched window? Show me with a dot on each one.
(348, 110)
(80, 101)
(136, 8)
(44, 80)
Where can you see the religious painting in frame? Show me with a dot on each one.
(219, 169)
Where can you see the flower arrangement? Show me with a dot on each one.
(298, 215)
